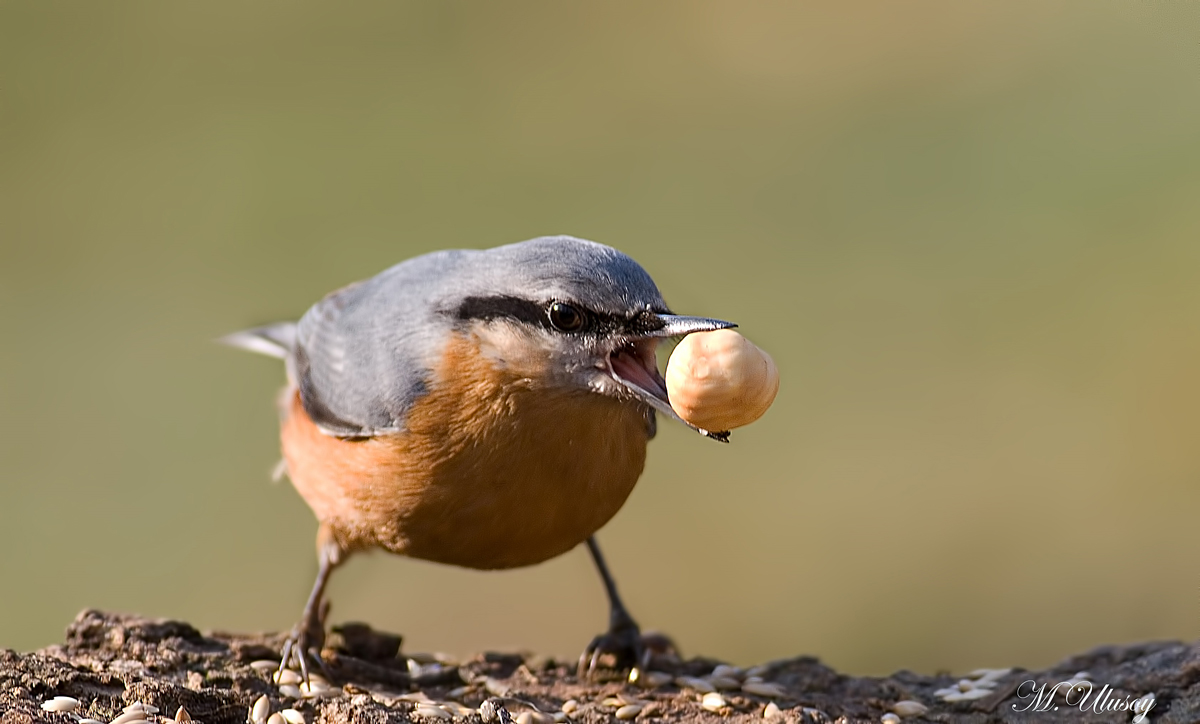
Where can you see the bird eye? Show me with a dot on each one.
(565, 318)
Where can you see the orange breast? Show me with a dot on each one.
(492, 471)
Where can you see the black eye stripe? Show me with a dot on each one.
(538, 313)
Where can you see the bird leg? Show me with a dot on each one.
(308, 636)
(623, 640)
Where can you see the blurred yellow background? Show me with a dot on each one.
(969, 233)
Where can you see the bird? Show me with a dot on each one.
(483, 408)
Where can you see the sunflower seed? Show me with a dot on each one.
(286, 676)
(724, 683)
(133, 716)
(144, 708)
(182, 715)
(60, 703)
(569, 706)
(431, 711)
(908, 707)
(890, 718)
(456, 709)
(629, 711)
(764, 689)
(260, 710)
(276, 718)
(559, 717)
(290, 691)
(694, 683)
(291, 716)
(415, 697)
(772, 710)
(89, 721)
(264, 666)
(713, 701)
(967, 695)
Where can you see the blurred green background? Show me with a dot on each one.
(968, 232)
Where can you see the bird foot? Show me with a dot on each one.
(622, 647)
(302, 648)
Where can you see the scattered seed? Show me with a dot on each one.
(967, 695)
(458, 709)
(965, 684)
(133, 716)
(182, 715)
(890, 718)
(696, 684)
(276, 718)
(290, 691)
(89, 721)
(260, 710)
(264, 666)
(286, 676)
(559, 717)
(946, 692)
(629, 711)
(415, 697)
(291, 716)
(541, 717)
(495, 687)
(772, 710)
(713, 701)
(569, 706)
(762, 688)
(732, 672)
(313, 689)
(908, 707)
(724, 683)
(60, 703)
(431, 711)
(143, 708)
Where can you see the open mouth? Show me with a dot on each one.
(636, 367)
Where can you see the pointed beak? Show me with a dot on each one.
(636, 367)
(677, 325)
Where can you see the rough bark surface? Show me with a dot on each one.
(111, 661)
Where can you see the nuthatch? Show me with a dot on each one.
(487, 409)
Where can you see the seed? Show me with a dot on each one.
(967, 695)
(60, 703)
(291, 716)
(720, 380)
(458, 693)
(772, 710)
(629, 711)
(264, 666)
(890, 718)
(763, 689)
(143, 708)
(732, 672)
(290, 691)
(559, 717)
(182, 715)
(133, 716)
(713, 701)
(313, 689)
(696, 684)
(569, 706)
(416, 697)
(455, 709)
(276, 718)
(541, 717)
(260, 710)
(724, 683)
(429, 710)
(495, 687)
(653, 679)
(286, 676)
(908, 707)
(89, 721)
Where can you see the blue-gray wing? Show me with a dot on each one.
(364, 354)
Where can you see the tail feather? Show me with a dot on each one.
(273, 340)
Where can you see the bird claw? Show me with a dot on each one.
(622, 646)
(302, 647)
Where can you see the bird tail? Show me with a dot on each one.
(273, 340)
